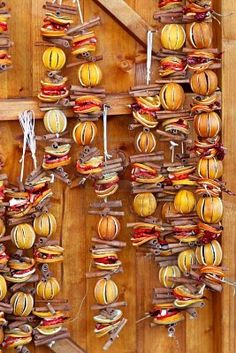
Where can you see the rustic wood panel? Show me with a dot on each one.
(75, 228)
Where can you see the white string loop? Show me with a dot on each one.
(149, 56)
(27, 122)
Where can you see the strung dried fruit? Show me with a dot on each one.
(48, 289)
(54, 58)
(172, 96)
(108, 227)
(45, 225)
(23, 236)
(22, 303)
(199, 34)
(89, 74)
(165, 274)
(145, 141)
(207, 124)
(84, 133)
(145, 204)
(105, 324)
(184, 201)
(55, 121)
(173, 36)
(209, 254)
(84, 43)
(210, 209)
(168, 209)
(3, 287)
(186, 259)
(204, 83)
(211, 168)
(105, 291)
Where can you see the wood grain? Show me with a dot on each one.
(75, 227)
(130, 19)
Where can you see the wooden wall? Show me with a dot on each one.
(213, 331)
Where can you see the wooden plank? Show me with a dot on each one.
(130, 19)
(10, 109)
(19, 79)
(116, 46)
(228, 308)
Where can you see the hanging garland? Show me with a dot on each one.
(185, 243)
(102, 169)
(5, 42)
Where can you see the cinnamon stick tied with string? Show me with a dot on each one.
(86, 25)
(103, 273)
(168, 263)
(33, 279)
(214, 286)
(106, 212)
(80, 62)
(60, 307)
(113, 305)
(163, 296)
(115, 243)
(160, 301)
(47, 340)
(70, 10)
(109, 204)
(115, 334)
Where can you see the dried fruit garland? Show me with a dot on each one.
(5, 43)
(102, 168)
(184, 243)
(24, 213)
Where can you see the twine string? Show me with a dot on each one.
(77, 314)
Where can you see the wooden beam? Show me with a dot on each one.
(11, 108)
(132, 22)
(66, 346)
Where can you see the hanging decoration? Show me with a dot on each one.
(185, 239)
(5, 42)
(24, 212)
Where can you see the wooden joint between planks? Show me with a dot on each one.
(130, 20)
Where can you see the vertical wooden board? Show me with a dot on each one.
(115, 45)
(38, 69)
(199, 331)
(19, 79)
(228, 308)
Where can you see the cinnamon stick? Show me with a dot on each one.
(113, 305)
(114, 334)
(83, 90)
(160, 301)
(171, 136)
(115, 243)
(162, 290)
(51, 338)
(86, 25)
(163, 296)
(80, 62)
(209, 50)
(109, 204)
(61, 307)
(111, 213)
(103, 273)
